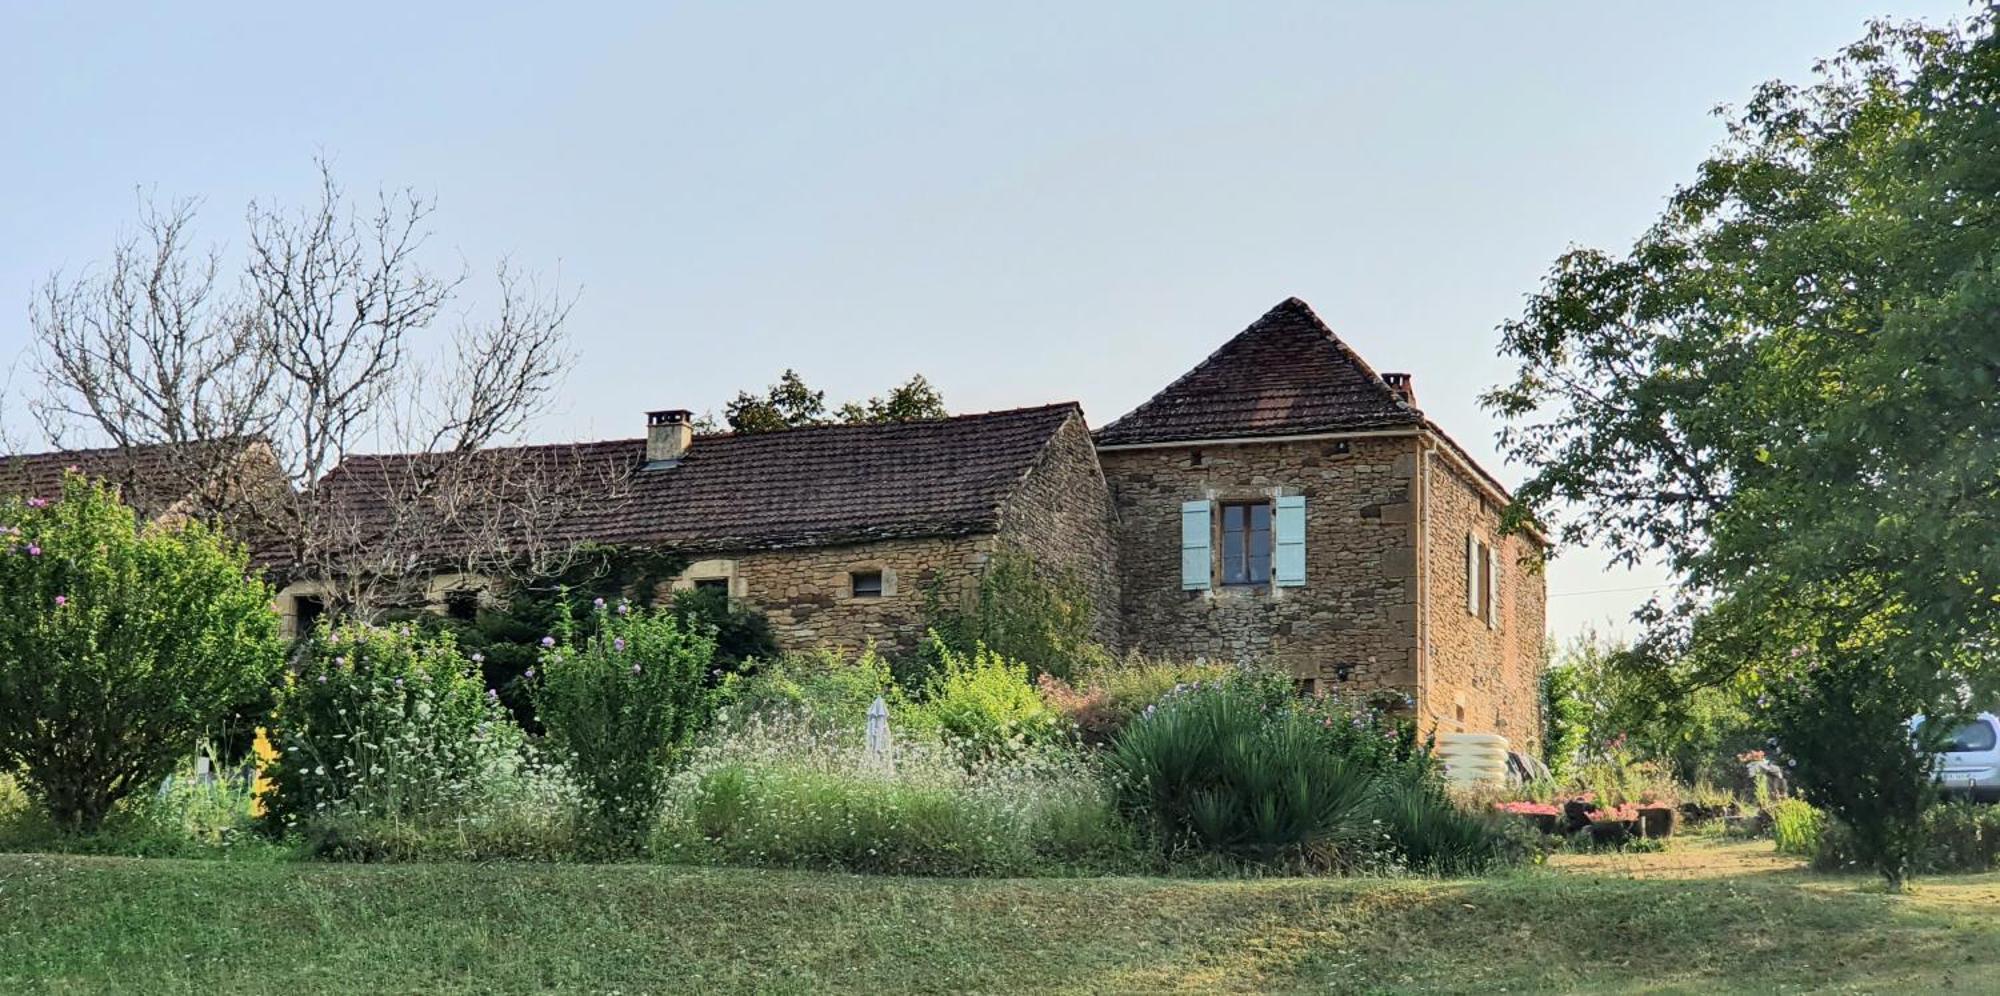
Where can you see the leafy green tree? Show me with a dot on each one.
(790, 404)
(913, 400)
(1783, 392)
(120, 644)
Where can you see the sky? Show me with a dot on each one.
(1024, 202)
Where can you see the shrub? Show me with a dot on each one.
(119, 645)
(389, 726)
(620, 706)
(1950, 837)
(1101, 700)
(1797, 827)
(181, 818)
(742, 634)
(781, 792)
(1022, 611)
(825, 686)
(1867, 771)
(1238, 767)
(981, 703)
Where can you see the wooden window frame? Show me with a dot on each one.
(1222, 532)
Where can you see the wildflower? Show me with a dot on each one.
(529, 674)
(635, 669)
(493, 695)
(37, 502)
(399, 682)
(618, 644)
(548, 641)
(34, 551)
(1791, 762)
(478, 658)
(62, 600)
(597, 602)
(322, 679)
(624, 607)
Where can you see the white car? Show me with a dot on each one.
(1969, 765)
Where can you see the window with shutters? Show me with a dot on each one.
(1246, 543)
(1481, 598)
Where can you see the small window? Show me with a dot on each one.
(1246, 543)
(462, 604)
(866, 584)
(1481, 600)
(719, 586)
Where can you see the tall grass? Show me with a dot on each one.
(782, 792)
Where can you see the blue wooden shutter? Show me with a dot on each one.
(1288, 568)
(1196, 562)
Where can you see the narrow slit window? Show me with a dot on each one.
(1246, 543)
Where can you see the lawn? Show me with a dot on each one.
(1704, 917)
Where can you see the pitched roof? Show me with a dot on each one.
(150, 478)
(812, 486)
(1287, 374)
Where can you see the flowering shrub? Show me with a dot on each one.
(119, 645)
(982, 703)
(782, 791)
(385, 727)
(621, 705)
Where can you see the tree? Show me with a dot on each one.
(120, 644)
(790, 404)
(1784, 393)
(324, 338)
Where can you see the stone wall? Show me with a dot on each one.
(1478, 677)
(1350, 628)
(808, 596)
(1062, 517)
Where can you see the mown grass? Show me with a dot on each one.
(1703, 918)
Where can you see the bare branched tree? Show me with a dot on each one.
(329, 338)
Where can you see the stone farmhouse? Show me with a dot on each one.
(1281, 502)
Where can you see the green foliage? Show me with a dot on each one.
(120, 645)
(1613, 695)
(1043, 618)
(1951, 837)
(1866, 770)
(182, 818)
(826, 688)
(742, 634)
(621, 705)
(1565, 720)
(790, 404)
(982, 704)
(1240, 768)
(385, 725)
(1106, 697)
(788, 794)
(506, 635)
(1797, 827)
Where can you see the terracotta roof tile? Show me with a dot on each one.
(800, 487)
(1287, 374)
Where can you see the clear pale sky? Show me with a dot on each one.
(1024, 202)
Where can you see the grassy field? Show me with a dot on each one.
(1700, 918)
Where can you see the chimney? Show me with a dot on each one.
(1400, 383)
(669, 433)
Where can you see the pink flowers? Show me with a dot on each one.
(618, 644)
(38, 503)
(62, 600)
(34, 551)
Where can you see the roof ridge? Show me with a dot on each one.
(831, 426)
(1282, 326)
